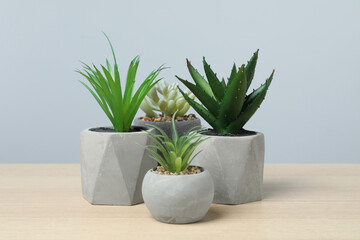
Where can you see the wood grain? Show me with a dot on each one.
(300, 201)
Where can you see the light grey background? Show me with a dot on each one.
(311, 113)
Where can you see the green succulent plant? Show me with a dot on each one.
(225, 106)
(174, 154)
(106, 89)
(169, 103)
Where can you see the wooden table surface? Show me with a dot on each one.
(300, 201)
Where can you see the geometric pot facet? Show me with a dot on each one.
(181, 126)
(113, 165)
(178, 198)
(236, 165)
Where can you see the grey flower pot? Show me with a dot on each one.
(236, 165)
(181, 126)
(178, 198)
(113, 166)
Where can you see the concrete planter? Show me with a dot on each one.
(181, 126)
(236, 165)
(178, 198)
(113, 166)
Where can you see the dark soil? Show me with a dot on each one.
(111, 130)
(242, 133)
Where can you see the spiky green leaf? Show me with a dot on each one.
(209, 102)
(199, 80)
(178, 165)
(251, 104)
(234, 98)
(250, 69)
(215, 84)
(204, 113)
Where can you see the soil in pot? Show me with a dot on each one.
(242, 133)
(190, 170)
(111, 129)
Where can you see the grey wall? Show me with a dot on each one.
(311, 113)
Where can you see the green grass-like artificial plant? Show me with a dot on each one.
(176, 152)
(225, 106)
(120, 108)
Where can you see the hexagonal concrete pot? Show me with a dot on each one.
(113, 166)
(178, 198)
(236, 165)
(181, 126)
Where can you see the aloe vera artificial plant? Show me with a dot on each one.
(175, 154)
(176, 195)
(225, 105)
(106, 88)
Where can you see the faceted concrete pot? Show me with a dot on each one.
(236, 165)
(178, 198)
(181, 126)
(113, 166)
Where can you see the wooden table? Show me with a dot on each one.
(301, 201)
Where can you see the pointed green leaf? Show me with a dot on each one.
(105, 88)
(110, 80)
(130, 82)
(158, 157)
(234, 98)
(108, 65)
(102, 104)
(190, 161)
(210, 103)
(250, 69)
(251, 104)
(170, 146)
(112, 49)
(206, 115)
(174, 132)
(178, 165)
(199, 80)
(141, 94)
(233, 73)
(223, 83)
(172, 157)
(159, 145)
(215, 84)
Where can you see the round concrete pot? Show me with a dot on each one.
(178, 198)
(113, 166)
(181, 126)
(236, 165)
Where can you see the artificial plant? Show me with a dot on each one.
(225, 105)
(175, 153)
(169, 102)
(119, 106)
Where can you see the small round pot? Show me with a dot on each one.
(178, 198)
(181, 126)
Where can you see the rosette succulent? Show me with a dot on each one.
(226, 106)
(169, 103)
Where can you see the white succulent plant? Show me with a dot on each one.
(169, 102)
